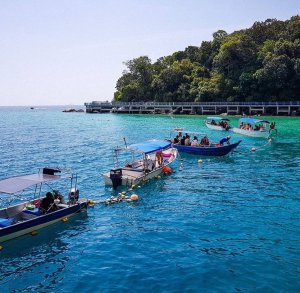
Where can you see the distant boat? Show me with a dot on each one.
(145, 160)
(217, 123)
(40, 211)
(31, 108)
(209, 149)
(255, 128)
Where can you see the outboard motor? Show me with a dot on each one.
(116, 177)
(73, 196)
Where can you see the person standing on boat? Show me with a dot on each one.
(159, 157)
(225, 139)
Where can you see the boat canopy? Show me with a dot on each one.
(253, 121)
(181, 130)
(149, 146)
(216, 118)
(16, 184)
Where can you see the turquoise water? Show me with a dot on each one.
(229, 224)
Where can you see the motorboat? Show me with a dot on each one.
(203, 147)
(38, 211)
(139, 162)
(255, 128)
(217, 123)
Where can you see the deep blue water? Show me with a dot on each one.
(230, 224)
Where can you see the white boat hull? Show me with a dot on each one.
(252, 133)
(215, 127)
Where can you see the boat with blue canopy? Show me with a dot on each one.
(139, 162)
(255, 128)
(201, 147)
(217, 123)
(40, 211)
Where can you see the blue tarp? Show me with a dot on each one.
(216, 118)
(253, 121)
(150, 146)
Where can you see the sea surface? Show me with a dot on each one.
(230, 224)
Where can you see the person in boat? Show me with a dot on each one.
(225, 140)
(58, 197)
(272, 125)
(182, 140)
(149, 165)
(187, 140)
(47, 204)
(195, 141)
(176, 139)
(204, 141)
(256, 127)
(159, 157)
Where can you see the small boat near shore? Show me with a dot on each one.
(255, 128)
(143, 161)
(217, 123)
(40, 211)
(204, 148)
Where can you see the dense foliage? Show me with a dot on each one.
(261, 63)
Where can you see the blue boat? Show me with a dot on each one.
(41, 211)
(206, 149)
(211, 150)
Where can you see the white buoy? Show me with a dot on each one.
(200, 161)
(253, 149)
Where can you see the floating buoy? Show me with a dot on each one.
(200, 161)
(253, 149)
(33, 233)
(134, 197)
(65, 219)
(166, 170)
(90, 203)
(180, 167)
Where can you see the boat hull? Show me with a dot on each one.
(254, 133)
(215, 127)
(212, 150)
(30, 225)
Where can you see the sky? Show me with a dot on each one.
(67, 52)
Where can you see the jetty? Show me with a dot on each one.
(199, 108)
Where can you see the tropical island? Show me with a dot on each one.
(260, 63)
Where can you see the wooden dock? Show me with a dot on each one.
(216, 108)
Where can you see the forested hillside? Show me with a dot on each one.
(261, 63)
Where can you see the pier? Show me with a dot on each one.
(204, 108)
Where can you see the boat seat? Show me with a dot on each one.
(5, 222)
(29, 214)
(133, 169)
(35, 212)
(62, 206)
